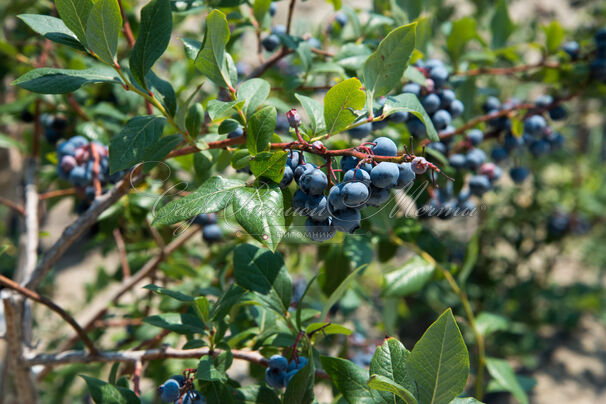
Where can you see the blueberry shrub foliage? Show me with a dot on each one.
(313, 153)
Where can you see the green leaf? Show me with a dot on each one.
(74, 14)
(163, 90)
(260, 9)
(269, 165)
(135, 142)
(352, 56)
(253, 92)
(410, 278)
(349, 379)
(488, 323)
(465, 400)
(463, 31)
(192, 47)
(194, 119)
(103, 28)
(202, 308)
(471, 257)
(211, 58)
(300, 389)
(181, 323)
(300, 305)
(220, 109)
(338, 103)
(260, 129)
(208, 372)
(384, 68)
(386, 385)
(327, 329)
(254, 394)
(212, 196)
(314, 111)
(226, 302)
(263, 272)
(439, 362)
(338, 293)
(415, 75)
(501, 25)
(52, 28)
(50, 80)
(554, 34)
(358, 250)
(105, 393)
(161, 149)
(505, 376)
(410, 103)
(261, 212)
(389, 362)
(153, 38)
(171, 293)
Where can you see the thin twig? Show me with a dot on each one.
(54, 307)
(128, 33)
(13, 205)
(56, 193)
(122, 252)
(291, 9)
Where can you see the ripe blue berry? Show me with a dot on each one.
(314, 43)
(316, 208)
(204, 219)
(438, 146)
(293, 160)
(439, 75)
(491, 104)
(335, 198)
(302, 170)
(299, 199)
(341, 19)
(457, 161)
(572, 48)
(518, 174)
(539, 147)
(415, 126)
(475, 136)
(275, 378)
(287, 177)
(297, 364)
(384, 146)
(347, 220)
(348, 163)
(544, 101)
(431, 103)
(313, 182)
(406, 175)
(212, 233)
(433, 63)
(456, 109)
(558, 113)
(355, 194)
(235, 133)
(320, 230)
(441, 119)
(513, 142)
(361, 131)
(479, 185)
(447, 97)
(378, 196)
(534, 125)
(193, 397)
(289, 376)
(77, 176)
(272, 9)
(278, 362)
(412, 88)
(475, 158)
(169, 391)
(398, 117)
(271, 42)
(384, 174)
(360, 175)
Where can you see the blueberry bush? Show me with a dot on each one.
(307, 206)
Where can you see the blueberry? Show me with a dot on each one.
(384, 174)
(289, 376)
(513, 142)
(518, 174)
(169, 391)
(475, 136)
(405, 177)
(555, 139)
(299, 199)
(491, 170)
(360, 175)
(557, 224)
(544, 101)
(274, 378)
(278, 29)
(313, 182)
(378, 196)
(384, 146)
(78, 141)
(600, 36)
(347, 220)
(431, 103)
(297, 364)
(341, 19)
(355, 194)
(272, 9)
(66, 149)
(204, 219)
(535, 125)
(193, 397)
(398, 117)
(500, 123)
(335, 198)
(438, 146)
(441, 119)
(439, 75)
(287, 177)
(479, 185)
(271, 42)
(475, 158)
(303, 169)
(90, 193)
(212, 233)
(416, 127)
(348, 163)
(316, 207)
(235, 133)
(467, 207)
(457, 161)
(412, 88)
(539, 147)
(457, 108)
(319, 231)
(293, 160)
(67, 163)
(361, 131)
(77, 176)
(447, 97)
(433, 63)
(572, 48)
(314, 43)
(598, 69)
(282, 125)
(558, 113)
(278, 362)
(491, 104)
(51, 134)
(419, 165)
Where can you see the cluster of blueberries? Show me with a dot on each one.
(363, 183)
(598, 64)
(54, 127)
(211, 232)
(280, 371)
(172, 391)
(76, 164)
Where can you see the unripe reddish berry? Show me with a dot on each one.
(419, 165)
(294, 119)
